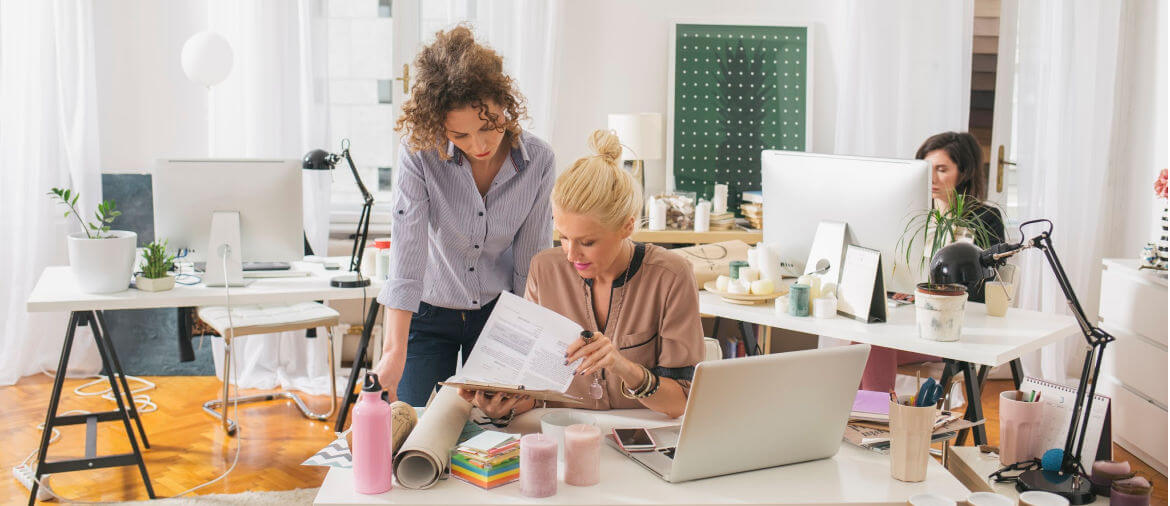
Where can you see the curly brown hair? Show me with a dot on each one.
(453, 72)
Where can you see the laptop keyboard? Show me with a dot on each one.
(668, 452)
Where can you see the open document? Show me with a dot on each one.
(522, 350)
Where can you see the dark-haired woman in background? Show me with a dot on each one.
(956, 168)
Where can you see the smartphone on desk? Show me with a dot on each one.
(634, 440)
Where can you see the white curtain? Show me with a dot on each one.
(905, 74)
(524, 32)
(274, 104)
(1067, 83)
(49, 137)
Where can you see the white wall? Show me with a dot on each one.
(1140, 133)
(614, 58)
(147, 108)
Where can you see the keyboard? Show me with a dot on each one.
(253, 266)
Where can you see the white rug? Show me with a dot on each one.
(285, 498)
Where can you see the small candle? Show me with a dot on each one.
(749, 274)
(703, 217)
(825, 307)
(538, 465)
(658, 215)
(1130, 492)
(735, 266)
(1105, 472)
(814, 285)
(582, 455)
(798, 300)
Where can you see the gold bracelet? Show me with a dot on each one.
(643, 389)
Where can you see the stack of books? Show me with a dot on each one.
(723, 221)
(487, 460)
(752, 208)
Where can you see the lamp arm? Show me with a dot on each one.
(1096, 338)
(363, 228)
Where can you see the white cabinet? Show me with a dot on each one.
(1133, 372)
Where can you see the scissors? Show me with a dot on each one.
(929, 394)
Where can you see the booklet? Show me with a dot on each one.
(522, 350)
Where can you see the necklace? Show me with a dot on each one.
(595, 389)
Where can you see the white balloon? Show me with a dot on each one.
(207, 58)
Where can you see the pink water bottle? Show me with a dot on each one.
(373, 457)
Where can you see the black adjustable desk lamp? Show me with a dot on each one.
(319, 159)
(956, 264)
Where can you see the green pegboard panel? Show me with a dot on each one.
(737, 90)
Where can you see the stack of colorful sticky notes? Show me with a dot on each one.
(487, 460)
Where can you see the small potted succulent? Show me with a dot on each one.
(101, 259)
(156, 267)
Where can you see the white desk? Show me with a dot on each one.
(986, 340)
(56, 290)
(972, 468)
(853, 476)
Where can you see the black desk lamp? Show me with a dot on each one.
(961, 263)
(319, 159)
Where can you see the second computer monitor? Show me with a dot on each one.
(266, 193)
(874, 196)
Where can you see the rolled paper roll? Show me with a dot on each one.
(762, 287)
(538, 465)
(749, 274)
(582, 455)
(721, 283)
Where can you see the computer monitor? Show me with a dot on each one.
(873, 196)
(266, 193)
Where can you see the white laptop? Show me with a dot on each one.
(753, 413)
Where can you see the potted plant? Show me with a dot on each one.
(938, 310)
(155, 275)
(937, 228)
(101, 259)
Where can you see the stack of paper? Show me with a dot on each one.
(722, 221)
(487, 460)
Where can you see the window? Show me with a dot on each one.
(361, 76)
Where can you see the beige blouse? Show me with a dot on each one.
(653, 317)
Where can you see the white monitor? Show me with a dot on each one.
(266, 193)
(874, 196)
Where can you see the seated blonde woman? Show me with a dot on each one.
(638, 300)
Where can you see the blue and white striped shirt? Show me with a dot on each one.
(455, 249)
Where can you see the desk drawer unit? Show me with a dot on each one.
(1133, 309)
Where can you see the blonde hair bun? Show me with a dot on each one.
(596, 186)
(605, 144)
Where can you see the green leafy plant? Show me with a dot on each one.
(105, 214)
(937, 228)
(156, 260)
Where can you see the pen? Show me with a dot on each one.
(1038, 396)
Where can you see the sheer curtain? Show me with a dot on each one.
(524, 32)
(274, 104)
(905, 75)
(48, 134)
(1066, 80)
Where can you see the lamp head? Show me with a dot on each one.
(319, 159)
(959, 263)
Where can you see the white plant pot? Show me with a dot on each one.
(939, 317)
(102, 265)
(154, 284)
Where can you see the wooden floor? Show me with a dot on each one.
(188, 447)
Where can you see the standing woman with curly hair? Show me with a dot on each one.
(470, 209)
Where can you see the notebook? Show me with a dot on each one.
(1058, 407)
(871, 406)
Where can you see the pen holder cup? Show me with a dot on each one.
(910, 431)
(1019, 427)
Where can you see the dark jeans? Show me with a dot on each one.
(438, 336)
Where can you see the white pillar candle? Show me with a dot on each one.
(814, 285)
(582, 455)
(703, 217)
(825, 307)
(749, 274)
(658, 215)
(719, 200)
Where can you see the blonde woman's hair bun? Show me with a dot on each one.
(605, 144)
